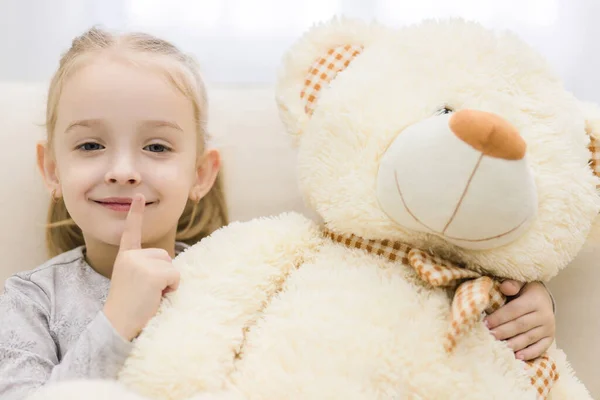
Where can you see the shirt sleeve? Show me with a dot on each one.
(29, 356)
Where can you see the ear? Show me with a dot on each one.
(592, 128)
(47, 168)
(206, 173)
(591, 113)
(314, 61)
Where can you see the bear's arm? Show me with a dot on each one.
(226, 280)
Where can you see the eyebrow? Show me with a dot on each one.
(160, 123)
(152, 123)
(88, 123)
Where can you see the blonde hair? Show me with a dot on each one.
(198, 219)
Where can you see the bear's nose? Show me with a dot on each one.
(489, 133)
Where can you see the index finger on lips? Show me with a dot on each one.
(131, 239)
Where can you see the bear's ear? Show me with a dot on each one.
(594, 148)
(591, 113)
(592, 128)
(314, 61)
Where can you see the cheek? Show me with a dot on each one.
(176, 173)
(79, 175)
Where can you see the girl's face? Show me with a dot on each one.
(123, 130)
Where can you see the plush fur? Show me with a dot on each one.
(271, 309)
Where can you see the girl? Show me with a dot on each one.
(132, 185)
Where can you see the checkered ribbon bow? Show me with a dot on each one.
(474, 295)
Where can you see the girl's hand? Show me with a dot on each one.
(140, 278)
(526, 322)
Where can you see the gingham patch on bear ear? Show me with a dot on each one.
(594, 148)
(324, 70)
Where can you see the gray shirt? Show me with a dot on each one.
(52, 327)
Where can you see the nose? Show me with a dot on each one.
(489, 133)
(122, 171)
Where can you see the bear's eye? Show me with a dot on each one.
(444, 110)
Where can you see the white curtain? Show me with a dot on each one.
(241, 41)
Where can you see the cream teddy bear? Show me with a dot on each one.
(442, 158)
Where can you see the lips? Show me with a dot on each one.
(118, 203)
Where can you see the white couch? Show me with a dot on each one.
(260, 180)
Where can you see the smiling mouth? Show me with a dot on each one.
(119, 204)
(443, 234)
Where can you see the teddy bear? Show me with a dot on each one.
(441, 158)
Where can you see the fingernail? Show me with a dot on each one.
(486, 323)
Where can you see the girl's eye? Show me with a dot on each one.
(157, 148)
(90, 146)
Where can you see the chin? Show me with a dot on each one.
(109, 236)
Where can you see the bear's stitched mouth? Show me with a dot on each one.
(443, 234)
